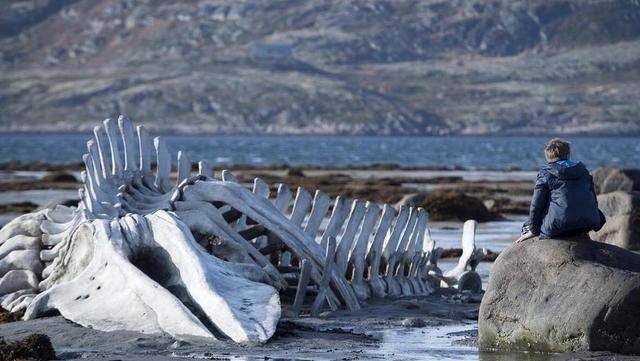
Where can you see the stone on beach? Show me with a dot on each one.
(562, 296)
(622, 210)
(60, 177)
(619, 199)
(611, 179)
(444, 205)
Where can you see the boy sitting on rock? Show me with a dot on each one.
(564, 201)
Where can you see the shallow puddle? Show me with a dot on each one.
(452, 342)
(429, 343)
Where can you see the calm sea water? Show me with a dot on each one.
(466, 152)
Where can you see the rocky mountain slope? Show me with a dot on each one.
(323, 66)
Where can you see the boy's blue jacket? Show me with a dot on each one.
(564, 201)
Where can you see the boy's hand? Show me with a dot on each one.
(525, 234)
(524, 237)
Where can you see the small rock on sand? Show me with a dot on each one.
(413, 322)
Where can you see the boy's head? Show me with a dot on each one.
(557, 149)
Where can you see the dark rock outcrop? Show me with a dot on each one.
(561, 296)
(60, 177)
(622, 210)
(445, 204)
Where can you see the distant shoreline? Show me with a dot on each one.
(36, 151)
(45, 166)
(177, 132)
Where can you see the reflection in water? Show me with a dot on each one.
(429, 343)
(444, 343)
(518, 356)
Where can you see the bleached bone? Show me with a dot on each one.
(346, 241)
(204, 169)
(200, 255)
(402, 256)
(264, 212)
(227, 176)
(464, 276)
(323, 285)
(321, 203)
(301, 206)
(19, 243)
(20, 302)
(341, 208)
(261, 189)
(27, 224)
(303, 282)
(358, 260)
(376, 282)
(283, 197)
(394, 288)
(426, 260)
(8, 299)
(204, 219)
(16, 280)
(169, 282)
(113, 184)
(411, 257)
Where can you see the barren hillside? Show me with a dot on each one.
(323, 66)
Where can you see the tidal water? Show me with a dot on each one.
(342, 151)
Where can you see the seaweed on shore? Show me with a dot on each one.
(6, 316)
(34, 347)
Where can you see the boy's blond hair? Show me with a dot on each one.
(557, 149)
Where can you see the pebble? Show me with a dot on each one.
(413, 322)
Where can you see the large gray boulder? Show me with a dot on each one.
(610, 179)
(562, 296)
(622, 210)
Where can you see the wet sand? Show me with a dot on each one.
(435, 327)
(375, 332)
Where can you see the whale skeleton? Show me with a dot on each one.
(205, 256)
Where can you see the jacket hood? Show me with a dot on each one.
(566, 169)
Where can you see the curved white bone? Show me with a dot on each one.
(19, 242)
(361, 288)
(378, 286)
(463, 275)
(264, 212)
(401, 229)
(16, 280)
(321, 204)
